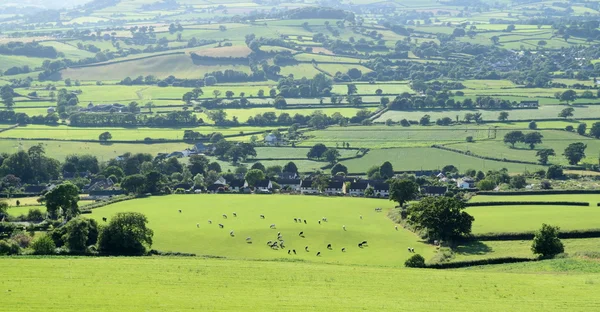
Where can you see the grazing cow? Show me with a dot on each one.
(412, 250)
(295, 220)
(221, 225)
(248, 238)
(280, 238)
(318, 253)
(360, 245)
(235, 214)
(324, 219)
(408, 249)
(304, 221)
(179, 210)
(364, 242)
(209, 221)
(231, 233)
(278, 233)
(306, 248)
(344, 227)
(301, 234)
(396, 227)
(289, 252)
(361, 217)
(262, 216)
(104, 219)
(224, 216)
(197, 225)
(281, 245)
(319, 221)
(274, 245)
(294, 251)
(269, 243)
(328, 246)
(343, 249)
(272, 226)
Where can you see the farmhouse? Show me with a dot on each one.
(307, 188)
(200, 148)
(50, 110)
(430, 190)
(218, 187)
(465, 183)
(381, 189)
(334, 188)
(271, 139)
(263, 186)
(289, 184)
(237, 185)
(38, 189)
(355, 188)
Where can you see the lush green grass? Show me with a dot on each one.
(243, 114)
(176, 231)
(304, 166)
(530, 218)
(70, 51)
(422, 158)
(8, 61)
(570, 266)
(286, 152)
(591, 198)
(185, 284)
(499, 249)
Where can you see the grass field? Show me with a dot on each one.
(498, 249)
(495, 219)
(593, 199)
(423, 158)
(278, 152)
(178, 232)
(185, 284)
(8, 61)
(570, 266)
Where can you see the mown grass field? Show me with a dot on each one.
(424, 158)
(593, 199)
(580, 265)
(176, 231)
(287, 152)
(494, 219)
(185, 284)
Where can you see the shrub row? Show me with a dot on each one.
(527, 203)
(468, 263)
(508, 236)
(540, 192)
(88, 208)
(170, 253)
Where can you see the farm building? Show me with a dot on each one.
(430, 190)
(291, 184)
(381, 189)
(465, 183)
(263, 186)
(334, 188)
(271, 139)
(307, 188)
(356, 188)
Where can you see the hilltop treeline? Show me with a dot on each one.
(32, 49)
(171, 119)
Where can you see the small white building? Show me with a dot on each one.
(465, 183)
(51, 110)
(307, 188)
(380, 189)
(271, 139)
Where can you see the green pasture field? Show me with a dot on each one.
(332, 69)
(308, 57)
(499, 249)
(299, 70)
(494, 219)
(139, 134)
(593, 199)
(8, 61)
(61, 149)
(174, 231)
(423, 158)
(554, 139)
(388, 88)
(185, 284)
(71, 52)
(546, 111)
(180, 66)
(395, 136)
(578, 265)
(24, 201)
(290, 152)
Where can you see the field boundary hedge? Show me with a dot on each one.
(127, 60)
(468, 263)
(527, 203)
(589, 233)
(538, 192)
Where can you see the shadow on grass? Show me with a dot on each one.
(473, 248)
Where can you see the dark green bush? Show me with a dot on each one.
(416, 261)
(43, 245)
(8, 248)
(462, 264)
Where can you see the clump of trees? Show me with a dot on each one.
(546, 243)
(441, 218)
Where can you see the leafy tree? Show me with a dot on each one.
(518, 182)
(229, 94)
(495, 40)
(575, 152)
(80, 233)
(425, 120)
(554, 172)
(566, 112)
(595, 130)
(135, 183)
(126, 234)
(351, 88)
(216, 93)
(532, 125)
(105, 136)
(402, 191)
(273, 171)
(513, 137)
(546, 242)
(416, 261)
(386, 170)
(321, 182)
(442, 217)
(280, 102)
(568, 96)
(331, 155)
(317, 151)
(62, 201)
(7, 95)
(339, 168)
(214, 166)
(253, 176)
(259, 166)
(581, 128)
(290, 167)
(543, 155)
(532, 139)
(486, 185)
(373, 173)
(3, 208)
(503, 116)
(369, 191)
(18, 164)
(198, 164)
(43, 245)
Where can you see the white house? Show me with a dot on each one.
(355, 188)
(50, 110)
(263, 186)
(465, 183)
(380, 189)
(334, 188)
(271, 139)
(291, 184)
(307, 188)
